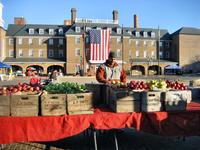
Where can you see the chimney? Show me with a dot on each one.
(73, 15)
(20, 20)
(115, 15)
(67, 22)
(135, 21)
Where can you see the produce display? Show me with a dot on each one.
(65, 87)
(21, 87)
(176, 85)
(138, 85)
(157, 85)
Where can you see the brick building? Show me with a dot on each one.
(66, 47)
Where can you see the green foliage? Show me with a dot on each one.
(65, 87)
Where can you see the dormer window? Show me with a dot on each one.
(129, 32)
(87, 29)
(60, 31)
(31, 31)
(119, 30)
(153, 34)
(51, 31)
(145, 34)
(78, 29)
(137, 34)
(98, 28)
(41, 31)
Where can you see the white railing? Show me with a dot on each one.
(104, 21)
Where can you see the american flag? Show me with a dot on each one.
(99, 45)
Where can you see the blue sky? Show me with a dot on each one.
(167, 14)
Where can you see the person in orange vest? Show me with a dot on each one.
(35, 80)
(110, 71)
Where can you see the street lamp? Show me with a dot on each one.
(158, 50)
(149, 60)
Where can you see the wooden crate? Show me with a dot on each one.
(91, 111)
(148, 97)
(152, 107)
(53, 104)
(25, 104)
(4, 105)
(79, 102)
(124, 101)
(152, 101)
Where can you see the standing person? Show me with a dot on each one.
(110, 71)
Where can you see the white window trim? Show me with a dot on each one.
(153, 35)
(11, 41)
(41, 52)
(20, 41)
(31, 31)
(137, 53)
(78, 29)
(51, 31)
(145, 54)
(60, 31)
(40, 41)
(30, 52)
(76, 52)
(41, 31)
(137, 34)
(145, 34)
(20, 53)
(30, 41)
(77, 40)
(119, 40)
(60, 41)
(119, 53)
(11, 53)
(119, 31)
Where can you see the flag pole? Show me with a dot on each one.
(83, 49)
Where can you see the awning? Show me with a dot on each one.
(3, 65)
(173, 67)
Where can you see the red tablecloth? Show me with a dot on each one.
(41, 128)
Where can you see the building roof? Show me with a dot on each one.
(23, 30)
(11, 60)
(187, 30)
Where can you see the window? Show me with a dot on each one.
(129, 32)
(145, 34)
(145, 54)
(152, 54)
(20, 53)
(119, 30)
(30, 41)
(30, 53)
(41, 31)
(119, 40)
(137, 53)
(137, 43)
(167, 44)
(51, 53)
(130, 53)
(119, 53)
(78, 29)
(11, 53)
(152, 43)
(145, 43)
(167, 54)
(87, 40)
(20, 41)
(61, 41)
(60, 53)
(77, 40)
(31, 31)
(41, 53)
(11, 41)
(129, 41)
(160, 44)
(161, 54)
(153, 34)
(51, 31)
(87, 29)
(40, 41)
(137, 34)
(98, 28)
(77, 52)
(60, 31)
(50, 41)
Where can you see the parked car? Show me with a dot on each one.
(18, 73)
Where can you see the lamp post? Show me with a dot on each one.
(149, 59)
(131, 63)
